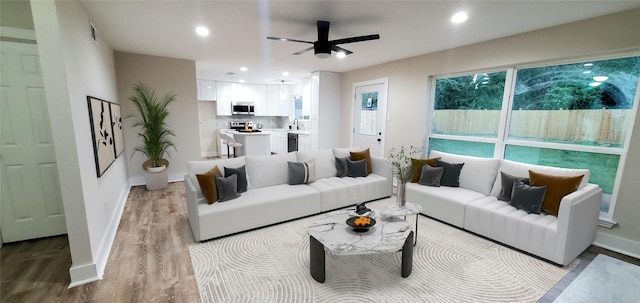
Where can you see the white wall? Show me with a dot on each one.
(164, 75)
(73, 67)
(408, 92)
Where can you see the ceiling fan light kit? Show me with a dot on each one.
(323, 47)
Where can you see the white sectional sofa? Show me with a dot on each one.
(270, 199)
(474, 207)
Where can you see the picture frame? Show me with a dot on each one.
(101, 134)
(116, 128)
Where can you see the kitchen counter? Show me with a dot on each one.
(253, 144)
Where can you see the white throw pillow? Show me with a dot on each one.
(342, 152)
(263, 171)
(477, 174)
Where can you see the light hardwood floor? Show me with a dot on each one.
(149, 260)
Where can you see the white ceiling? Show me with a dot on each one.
(239, 30)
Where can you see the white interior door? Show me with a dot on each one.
(31, 201)
(370, 110)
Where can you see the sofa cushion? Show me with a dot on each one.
(431, 176)
(526, 197)
(356, 169)
(263, 171)
(207, 182)
(341, 152)
(242, 177)
(451, 173)
(477, 174)
(507, 185)
(302, 172)
(363, 155)
(416, 167)
(557, 188)
(519, 169)
(341, 167)
(227, 187)
(325, 162)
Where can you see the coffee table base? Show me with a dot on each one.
(317, 258)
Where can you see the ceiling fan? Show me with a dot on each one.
(323, 47)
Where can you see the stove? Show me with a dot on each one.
(238, 125)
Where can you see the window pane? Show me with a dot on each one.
(587, 103)
(469, 105)
(468, 148)
(368, 114)
(603, 167)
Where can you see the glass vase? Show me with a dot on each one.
(402, 193)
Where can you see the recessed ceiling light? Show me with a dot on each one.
(285, 74)
(241, 80)
(244, 69)
(202, 31)
(459, 17)
(341, 55)
(600, 78)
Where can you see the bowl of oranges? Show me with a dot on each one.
(361, 223)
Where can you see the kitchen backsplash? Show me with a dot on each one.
(268, 122)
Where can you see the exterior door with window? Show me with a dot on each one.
(370, 108)
(31, 201)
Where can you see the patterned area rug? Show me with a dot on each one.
(272, 265)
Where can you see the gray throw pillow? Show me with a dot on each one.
(507, 186)
(431, 176)
(341, 167)
(302, 172)
(357, 168)
(526, 197)
(451, 174)
(242, 176)
(227, 187)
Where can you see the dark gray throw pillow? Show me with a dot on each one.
(357, 168)
(341, 167)
(507, 186)
(431, 176)
(227, 187)
(526, 197)
(302, 172)
(451, 174)
(242, 176)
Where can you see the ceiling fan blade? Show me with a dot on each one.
(287, 39)
(355, 39)
(303, 51)
(339, 49)
(323, 30)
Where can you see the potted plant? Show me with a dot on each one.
(154, 133)
(400, 160)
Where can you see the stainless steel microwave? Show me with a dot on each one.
(242, 108)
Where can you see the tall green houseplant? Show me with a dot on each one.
(151, 119)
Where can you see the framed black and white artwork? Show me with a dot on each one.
(116, 128)
(101, 133)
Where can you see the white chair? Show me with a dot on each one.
(230, 142)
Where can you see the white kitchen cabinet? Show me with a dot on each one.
(284, 101)
(279, 142)
(273, 96)
(241, 92)
(206, 90)
(223, 98)
(261, 100)
(304, 142)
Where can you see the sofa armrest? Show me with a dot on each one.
(381, 167)
(577, 222)
(192, 206)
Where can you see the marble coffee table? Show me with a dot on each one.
(331, 233)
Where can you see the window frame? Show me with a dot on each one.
(502, 140)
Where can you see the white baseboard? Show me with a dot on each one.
(617, 244)
(173, 177)
(93, 272)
